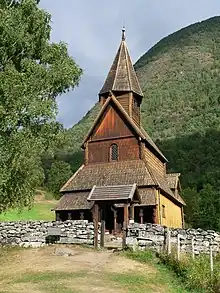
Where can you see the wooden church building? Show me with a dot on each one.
(124, 173)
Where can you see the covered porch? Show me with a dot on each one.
(115, 207)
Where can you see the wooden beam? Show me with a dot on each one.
(95, 221)
(81, 215)
(58, 216)
(183, 218)
(130, 104)
(155, 215)
(132, 211)
(115, 221)
(125, 225)
(102, 242)
(141, 215)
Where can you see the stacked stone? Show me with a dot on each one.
(143, 236)
(35, 233)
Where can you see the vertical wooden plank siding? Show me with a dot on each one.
(183, 218)
(173, 213)
(159, 203)
(124, 101)
(99, 152)
(158, 220)
(111, 125)
(135, 111)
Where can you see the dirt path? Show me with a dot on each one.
(45, 270)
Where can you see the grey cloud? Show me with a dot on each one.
(92, 30)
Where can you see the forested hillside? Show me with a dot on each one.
(180, 77)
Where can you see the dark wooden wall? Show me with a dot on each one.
(124, 101)
(99, 151)
(136, 111)
(111, 126)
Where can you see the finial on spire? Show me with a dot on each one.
(123, 33)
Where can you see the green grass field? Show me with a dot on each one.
(41, 209)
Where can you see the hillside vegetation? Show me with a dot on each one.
(180, 77)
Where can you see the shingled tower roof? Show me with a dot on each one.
(122, 76)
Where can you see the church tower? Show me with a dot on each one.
(123, 83)
(123, 176)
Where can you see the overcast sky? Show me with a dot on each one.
(92, 30)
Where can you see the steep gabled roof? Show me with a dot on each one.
(122, 76)
(139, 131)
(114, 193)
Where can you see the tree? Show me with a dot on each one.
(59, 173)
(33, 72)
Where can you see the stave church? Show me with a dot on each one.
(123, 177)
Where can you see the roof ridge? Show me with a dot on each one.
(62, 189)
(127, 65)
(151, 173)
(116, 72)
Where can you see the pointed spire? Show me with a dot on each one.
(122, 76)
(123, 34)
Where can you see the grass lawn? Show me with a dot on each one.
(41, 209)
(42, 271)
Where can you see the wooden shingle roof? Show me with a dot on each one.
(122, 76)
(111, 173)
(173, 179)
(114, 193)
(74, 201)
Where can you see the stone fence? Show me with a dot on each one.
(37, 233)
(139, 236)
(142, 236)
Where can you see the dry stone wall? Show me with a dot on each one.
(35, 233)
(142, 236)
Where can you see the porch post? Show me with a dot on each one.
(95, 221)
(58, 216)
(115, 221)
(154, 215)
(102, 242)
(132, 211)
(81, 215)
(125, 225)
(69, 216)
(141, 214)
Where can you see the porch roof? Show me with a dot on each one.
(114, 193)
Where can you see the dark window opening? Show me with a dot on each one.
(114, 152)
(163, 212)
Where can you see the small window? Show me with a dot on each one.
(163, 211)
(114, 152)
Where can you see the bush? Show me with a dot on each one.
(195, 273)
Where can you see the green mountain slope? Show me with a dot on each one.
(180, 77)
